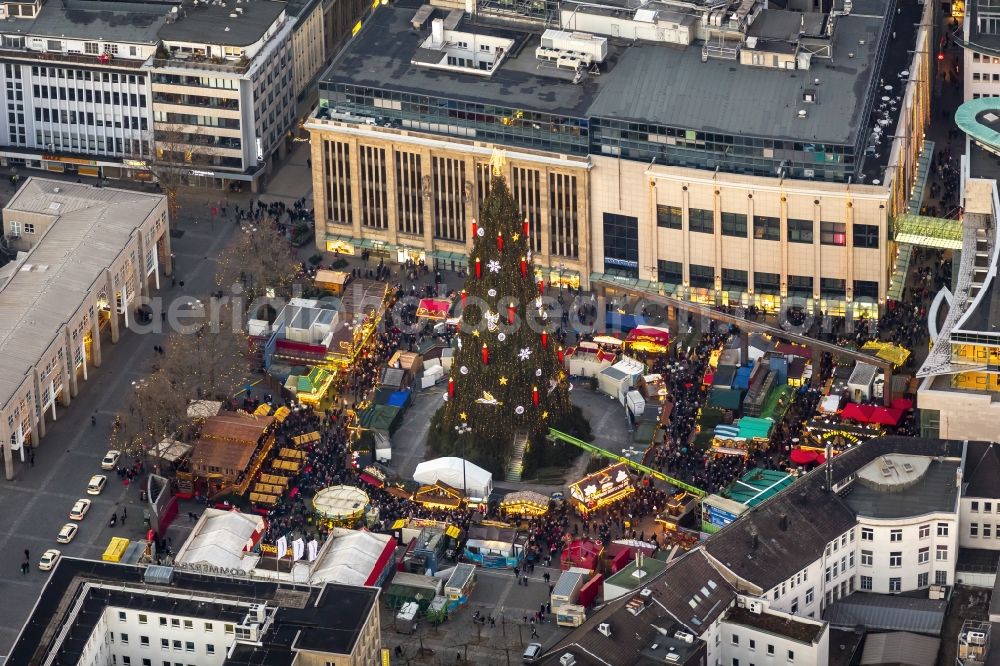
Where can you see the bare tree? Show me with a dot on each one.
(259, 259)
(211, 362)
(177, 150)
(154, 411)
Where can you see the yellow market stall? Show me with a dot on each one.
(524, 503)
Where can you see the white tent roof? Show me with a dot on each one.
(219, 539)
(350, 559)
(449, 470)
(202, 409)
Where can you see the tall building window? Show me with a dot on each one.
(832, 233)
(374, 197)
(337, 168)
(409, 199)
(767, 283)
(766, 228)
(564, 233)
(866, 235)
(669, 217)
(621, 245)
(701, 220)
(702, 277)
(448, 196)
(866, 582)
(734, 224)
(832, 288)
(800, 285)
(895, 584)
(526, 187)
(922, 579)
(865, 289)
(669, 272)
(734, 279)
(896, 559)
(800, 231)
(940, 577)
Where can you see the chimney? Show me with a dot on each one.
(437, 32)
(829, 467)
(783, 522)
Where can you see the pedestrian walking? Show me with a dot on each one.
(27, 555)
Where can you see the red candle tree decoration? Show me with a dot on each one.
(510, 313)
(524, 267)
(451, 387)
(479, 269)
(475, 228)
(545, 339)
(541, 285)
(463, 298)
(486, 354)
(560, 354)
(525, 227)
(534, 396)
(500, 241)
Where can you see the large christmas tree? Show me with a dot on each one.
(507, 380)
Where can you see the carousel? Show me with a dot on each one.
(524, 504)
(340, 506)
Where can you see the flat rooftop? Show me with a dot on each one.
(214, 24)
(647, 82)
(90, 227)
(129, 22)
(328, 619)
(934, 491)
(793, 629)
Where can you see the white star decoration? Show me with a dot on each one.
(494, 266)
(524, 354)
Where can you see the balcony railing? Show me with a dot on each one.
(77, 58)
(202, 63)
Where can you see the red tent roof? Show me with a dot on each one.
(433, 308)
(649, 333)
(902, 404)
(859, 413)
(805, 456)
(886, 416)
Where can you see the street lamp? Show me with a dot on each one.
(463, 429)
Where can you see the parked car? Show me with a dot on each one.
(49, 559)
(110, 459)
(67, 532)
(96, 485)
(531, 653)
(79, 509)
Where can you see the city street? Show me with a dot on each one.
(39, 498)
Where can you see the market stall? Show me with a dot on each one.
(620, 377)
(581, 554)
(648, 340)
(494, 546)
(340, 506)
(439, 495)
(587, 360)
(601, 488)
(524, 503)
(457, 473)
(435, 309)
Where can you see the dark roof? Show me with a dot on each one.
(814, 516)
(640, 81)
(212, 24)
(935, 491)
(90, 19)
(844, 645)
(982, 470)
(328, 618)
(884, 612)
(692, 578)
(901, 648)
(802, 631)
(978, 560)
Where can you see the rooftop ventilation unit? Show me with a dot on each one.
(604, 629)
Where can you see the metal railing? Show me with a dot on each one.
(201, 63)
